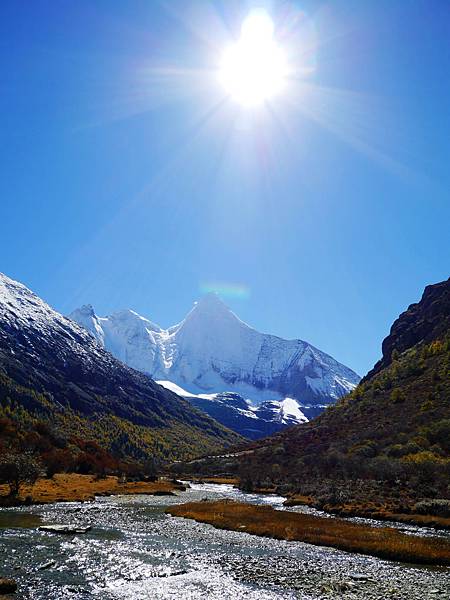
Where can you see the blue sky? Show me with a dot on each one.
(129, 179)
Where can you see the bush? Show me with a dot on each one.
(438, 507)
(386, 469)
(17, 469)
(58, 461)
(399, 450)
(397, 396)
(439, 433)
(366, 449)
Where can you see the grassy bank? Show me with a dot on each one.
(371, 510)
(72, 487)
(336, 533)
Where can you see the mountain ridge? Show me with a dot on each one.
(240, 415)
(212, 351)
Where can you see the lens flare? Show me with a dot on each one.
(226, 290)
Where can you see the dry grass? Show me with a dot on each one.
(299, 500)
(372, 510)
(216, 480)
(383, 542)
(78, 488)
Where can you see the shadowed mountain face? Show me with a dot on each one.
(252, 422)
(395, 426)
(423, 322)
(77, 385)
(213, 352)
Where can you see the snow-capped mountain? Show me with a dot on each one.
(213, 351)
(51, 369)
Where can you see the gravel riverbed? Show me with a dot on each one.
(135, 551)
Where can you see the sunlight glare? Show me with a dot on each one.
(254, 69)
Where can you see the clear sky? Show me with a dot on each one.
(130, 179)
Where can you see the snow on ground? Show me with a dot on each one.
(173, 387)
(290, 407)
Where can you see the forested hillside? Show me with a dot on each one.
(58, 384)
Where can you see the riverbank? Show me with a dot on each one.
(380, 510)
(234, 481)
(371, 510)
(72, 487)
(264, 521)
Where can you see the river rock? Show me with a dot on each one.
(67, 529)
(47, 565)
(359, 576)
(7, 586)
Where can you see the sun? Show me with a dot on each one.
(254, 69)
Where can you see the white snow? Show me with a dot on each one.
(173, 387)
(194, 346)
(22, 310)
(290, 407)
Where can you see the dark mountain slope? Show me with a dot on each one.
(52, 369)
(233, 412)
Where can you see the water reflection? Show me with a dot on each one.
(11, 519)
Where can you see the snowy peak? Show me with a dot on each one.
(131, 338)
(21, 308)
(212, 351)
(86, 317)
(209, 311)
(211, 303)
(87, 310)
(130, 318)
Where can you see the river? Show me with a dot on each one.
(135, 552)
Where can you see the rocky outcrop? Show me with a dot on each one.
(65, 529)
(423, 321)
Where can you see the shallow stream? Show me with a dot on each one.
(134, 551)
